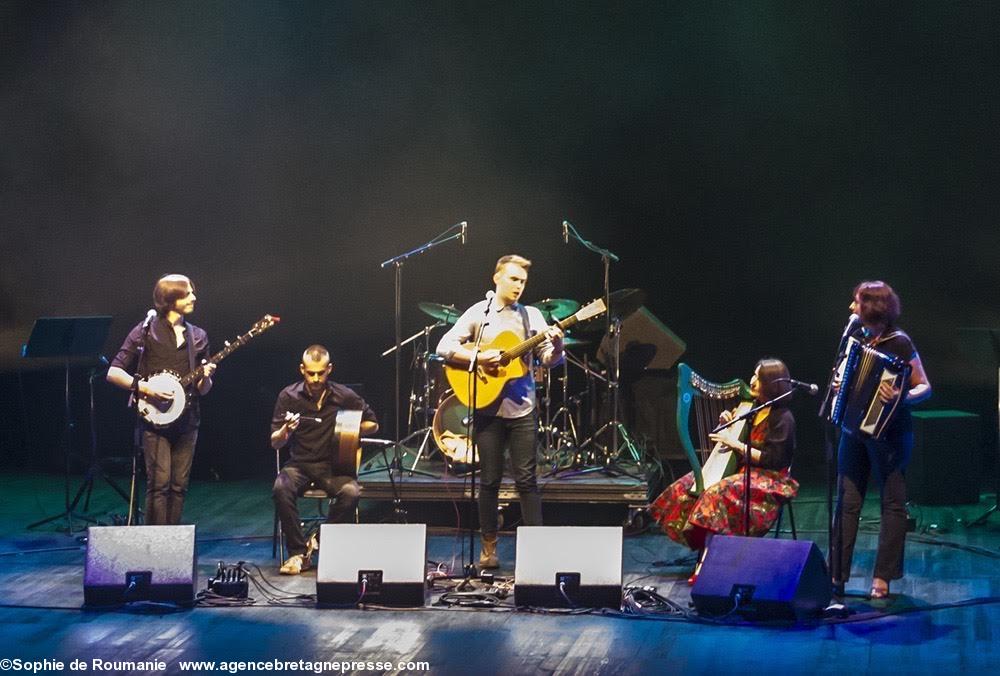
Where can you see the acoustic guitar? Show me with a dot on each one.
(512, 348)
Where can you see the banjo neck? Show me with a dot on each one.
(266, 322)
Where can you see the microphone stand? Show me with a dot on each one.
(456, 231)
(137, 448)
(834, 545)
(612, 326)
(748, 416)
(470, 432)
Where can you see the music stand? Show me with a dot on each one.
(982, 346)
(65, 338)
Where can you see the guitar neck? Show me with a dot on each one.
(530, 344)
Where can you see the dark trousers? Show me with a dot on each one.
(168, 455)
(519, 435)
(291, 483)
(886, 462)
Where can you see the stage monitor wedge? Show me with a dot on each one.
(762, 579)
(585, 561)
(139, 563)
(382, 564)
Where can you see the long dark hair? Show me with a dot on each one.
(772, 379)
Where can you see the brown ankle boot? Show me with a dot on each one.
(488, 554)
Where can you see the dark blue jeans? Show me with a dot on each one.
(519, 435)
(168, 455)
(886, 462)
(292, 481)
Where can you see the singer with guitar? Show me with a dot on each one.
(691, 519)
(509, 419)
(166, 341)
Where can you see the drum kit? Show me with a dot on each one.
(568, 397)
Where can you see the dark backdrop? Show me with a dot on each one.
(749, 162)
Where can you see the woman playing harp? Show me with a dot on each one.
(690, 519)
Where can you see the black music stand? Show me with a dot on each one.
(66, 338)
(983, 346)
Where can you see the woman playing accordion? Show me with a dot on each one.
(884, 455)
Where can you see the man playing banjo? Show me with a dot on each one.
(165, 342)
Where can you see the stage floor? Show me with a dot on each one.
(942, 618)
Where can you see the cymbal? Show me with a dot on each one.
(443, 313)
(556, 308)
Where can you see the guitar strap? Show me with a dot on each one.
(528, 333)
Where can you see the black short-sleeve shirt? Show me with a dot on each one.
(315, 442)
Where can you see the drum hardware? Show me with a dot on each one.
(562, 431)
(430, 369)
(593, 455)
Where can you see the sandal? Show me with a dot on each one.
(879, 590)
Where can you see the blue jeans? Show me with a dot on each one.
(519, 435)
(168, 455)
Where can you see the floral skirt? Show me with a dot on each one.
(688, 518)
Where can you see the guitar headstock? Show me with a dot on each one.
(591, 310)
(263, 324)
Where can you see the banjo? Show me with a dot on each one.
(161, 413)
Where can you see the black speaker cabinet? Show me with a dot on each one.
(381, 564)
(139, 563)
(762, 579)
(944, 468)
(644, 343)
(568, 566)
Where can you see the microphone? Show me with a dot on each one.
(465, 227)
(852, 324)
(150, 316)
(565, 232)
(812, 388)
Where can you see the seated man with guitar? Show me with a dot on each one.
(321, 422)
(166, 343)
(689, 518)
(508, 334)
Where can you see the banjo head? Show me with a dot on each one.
(163, 413)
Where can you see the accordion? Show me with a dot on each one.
(857, 407)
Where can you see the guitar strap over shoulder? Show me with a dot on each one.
(528, 333)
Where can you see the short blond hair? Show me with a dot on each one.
(519, 261)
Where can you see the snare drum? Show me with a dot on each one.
(450, 431)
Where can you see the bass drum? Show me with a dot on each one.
(450, 432)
